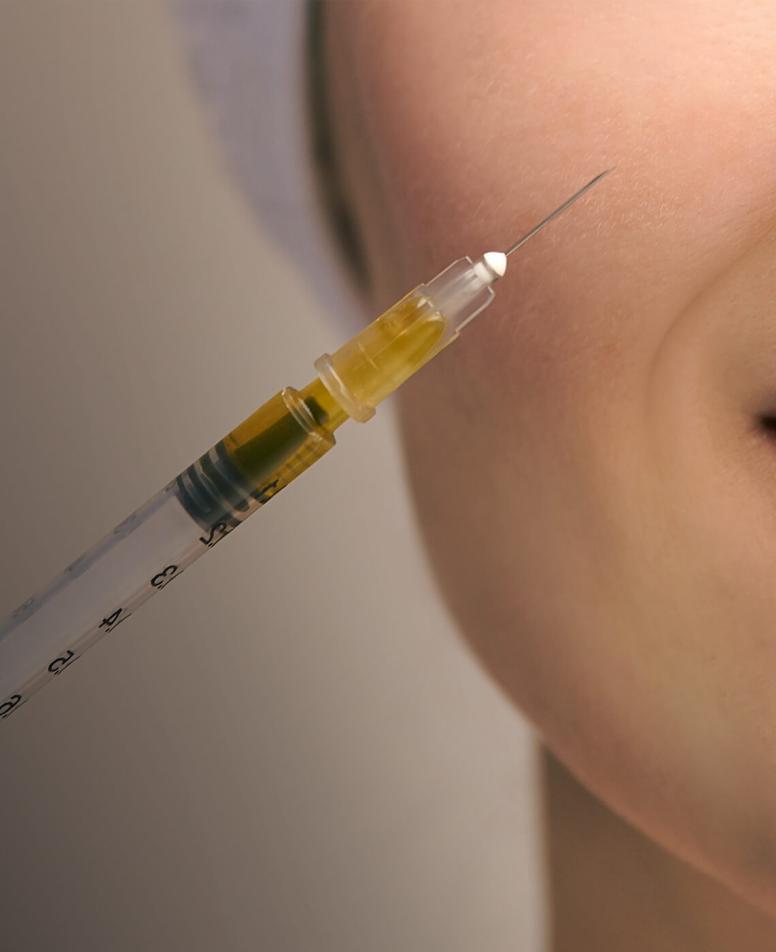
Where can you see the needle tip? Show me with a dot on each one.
(561, 208)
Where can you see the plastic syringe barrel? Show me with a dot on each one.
(150, 549)
(285, 436)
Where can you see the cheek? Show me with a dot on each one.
(603, 524)
(629, 637)
(599, 511)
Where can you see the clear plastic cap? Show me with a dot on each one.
(464, 289)
(379, 359)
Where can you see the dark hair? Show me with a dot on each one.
(331, 187)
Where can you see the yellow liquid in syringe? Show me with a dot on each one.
(296, 427)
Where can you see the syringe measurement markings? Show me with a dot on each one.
(79, 566)
(65, 659)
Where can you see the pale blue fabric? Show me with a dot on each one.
(247, 61)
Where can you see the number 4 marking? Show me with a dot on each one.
(114, 619)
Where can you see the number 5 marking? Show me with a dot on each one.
(210, 539)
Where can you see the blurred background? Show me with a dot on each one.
(291, 749)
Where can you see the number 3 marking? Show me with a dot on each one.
(164, 577)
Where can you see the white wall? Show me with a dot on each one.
(290, 749)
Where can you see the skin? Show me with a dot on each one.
(592, 467)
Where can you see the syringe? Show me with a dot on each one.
(284, 437)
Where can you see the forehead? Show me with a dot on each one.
(483, 117)
(471, 101)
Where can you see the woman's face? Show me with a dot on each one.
(593, 468)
